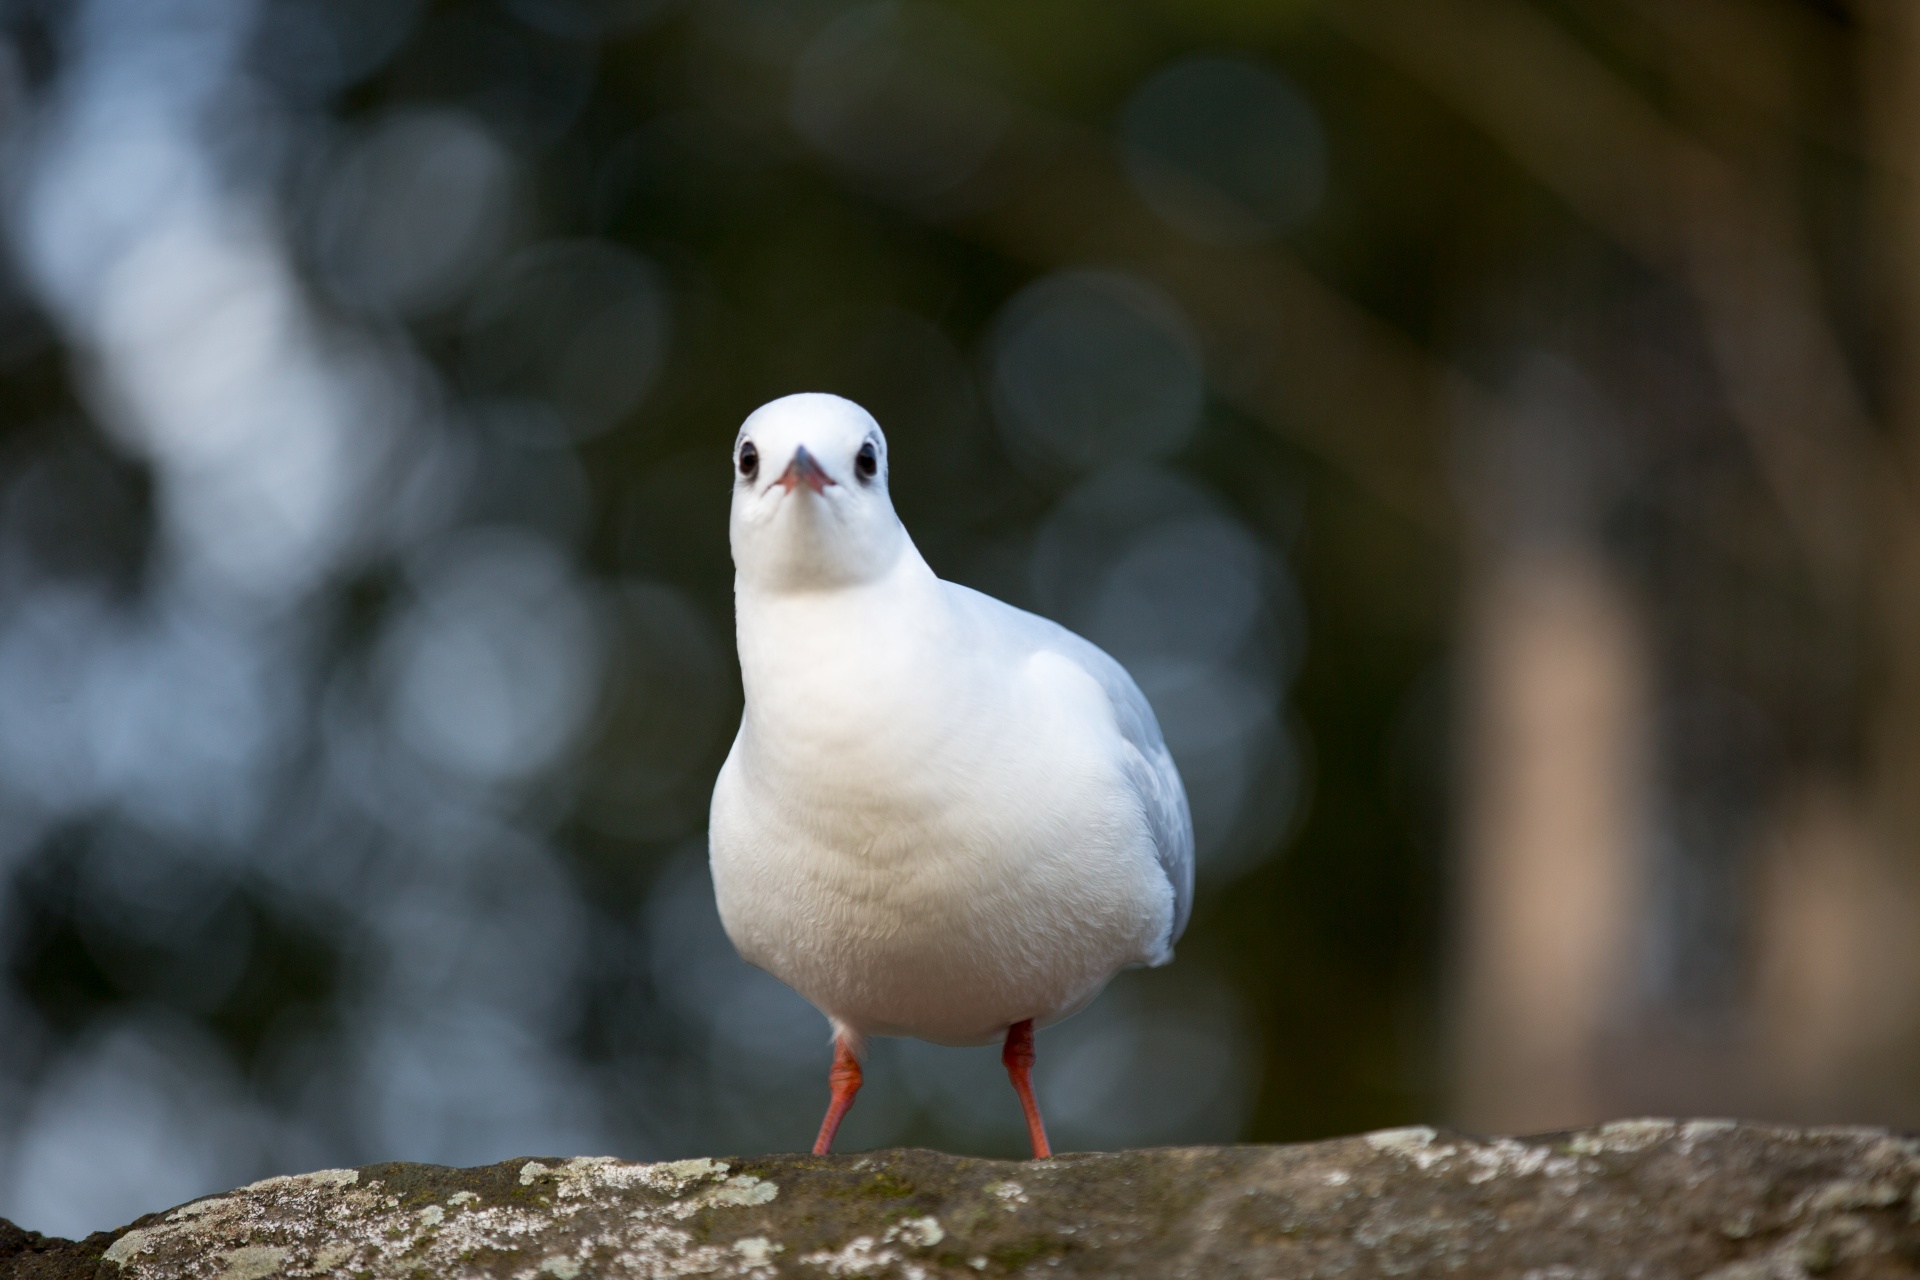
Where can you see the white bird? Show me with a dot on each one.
(943, 817)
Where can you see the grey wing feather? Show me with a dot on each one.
(1149, 765)
(1151, 769)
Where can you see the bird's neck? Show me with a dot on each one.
(844, 667)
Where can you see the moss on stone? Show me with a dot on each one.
(1655, 1197)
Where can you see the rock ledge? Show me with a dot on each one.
(1633, 1198)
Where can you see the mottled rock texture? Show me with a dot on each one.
(1649, 1198)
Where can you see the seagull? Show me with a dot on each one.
(943, 817)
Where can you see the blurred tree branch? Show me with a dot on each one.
(1282, 346)
(1708, 187)
(1892, 62)
(1665, 196)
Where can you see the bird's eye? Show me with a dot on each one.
(749, 460)
(867, 461)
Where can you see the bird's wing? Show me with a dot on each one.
(1147, 763)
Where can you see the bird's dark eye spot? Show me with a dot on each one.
(867, 461)
(749, 460)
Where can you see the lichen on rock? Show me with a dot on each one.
(1653, 1198)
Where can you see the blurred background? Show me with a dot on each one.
(1488, 429)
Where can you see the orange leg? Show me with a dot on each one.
(1018, 1057)
(844, 1077)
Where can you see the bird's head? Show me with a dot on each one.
(810, 504)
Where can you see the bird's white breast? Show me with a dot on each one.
(921, 832)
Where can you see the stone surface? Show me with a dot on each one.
(1649, 1198)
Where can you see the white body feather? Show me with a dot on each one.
(941, 815)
